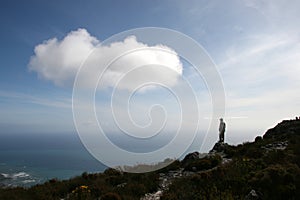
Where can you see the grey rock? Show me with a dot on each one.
(253, 195)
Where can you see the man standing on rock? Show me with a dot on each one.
(222, 127)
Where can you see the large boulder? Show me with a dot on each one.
(189, 158)
(219, 147)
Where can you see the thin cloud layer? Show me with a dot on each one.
(59, 61)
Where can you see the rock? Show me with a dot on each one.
(189, 158)
(275, 146)
(218, 147)
(252, 196)
(152, 196)
(283, 130)
(121, 185)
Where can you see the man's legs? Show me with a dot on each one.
(222, 137)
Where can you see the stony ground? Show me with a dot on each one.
(167, 178)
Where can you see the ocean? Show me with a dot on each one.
(29, 159)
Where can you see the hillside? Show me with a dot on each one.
(267, 168)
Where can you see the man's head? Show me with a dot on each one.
(221, 119)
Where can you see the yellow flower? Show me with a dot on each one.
(84, 187)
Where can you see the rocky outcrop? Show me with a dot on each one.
(219, 147)
(275, 146)
(283, 130)
(191, 156)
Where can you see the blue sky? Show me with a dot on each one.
(254, 43)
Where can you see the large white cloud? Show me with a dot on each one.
(59, 60)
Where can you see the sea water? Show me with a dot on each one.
(29, 159)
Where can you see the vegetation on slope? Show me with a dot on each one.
(267, 168)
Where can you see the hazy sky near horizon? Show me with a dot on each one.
(255, 45)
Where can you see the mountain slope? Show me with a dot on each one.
(267, 168)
